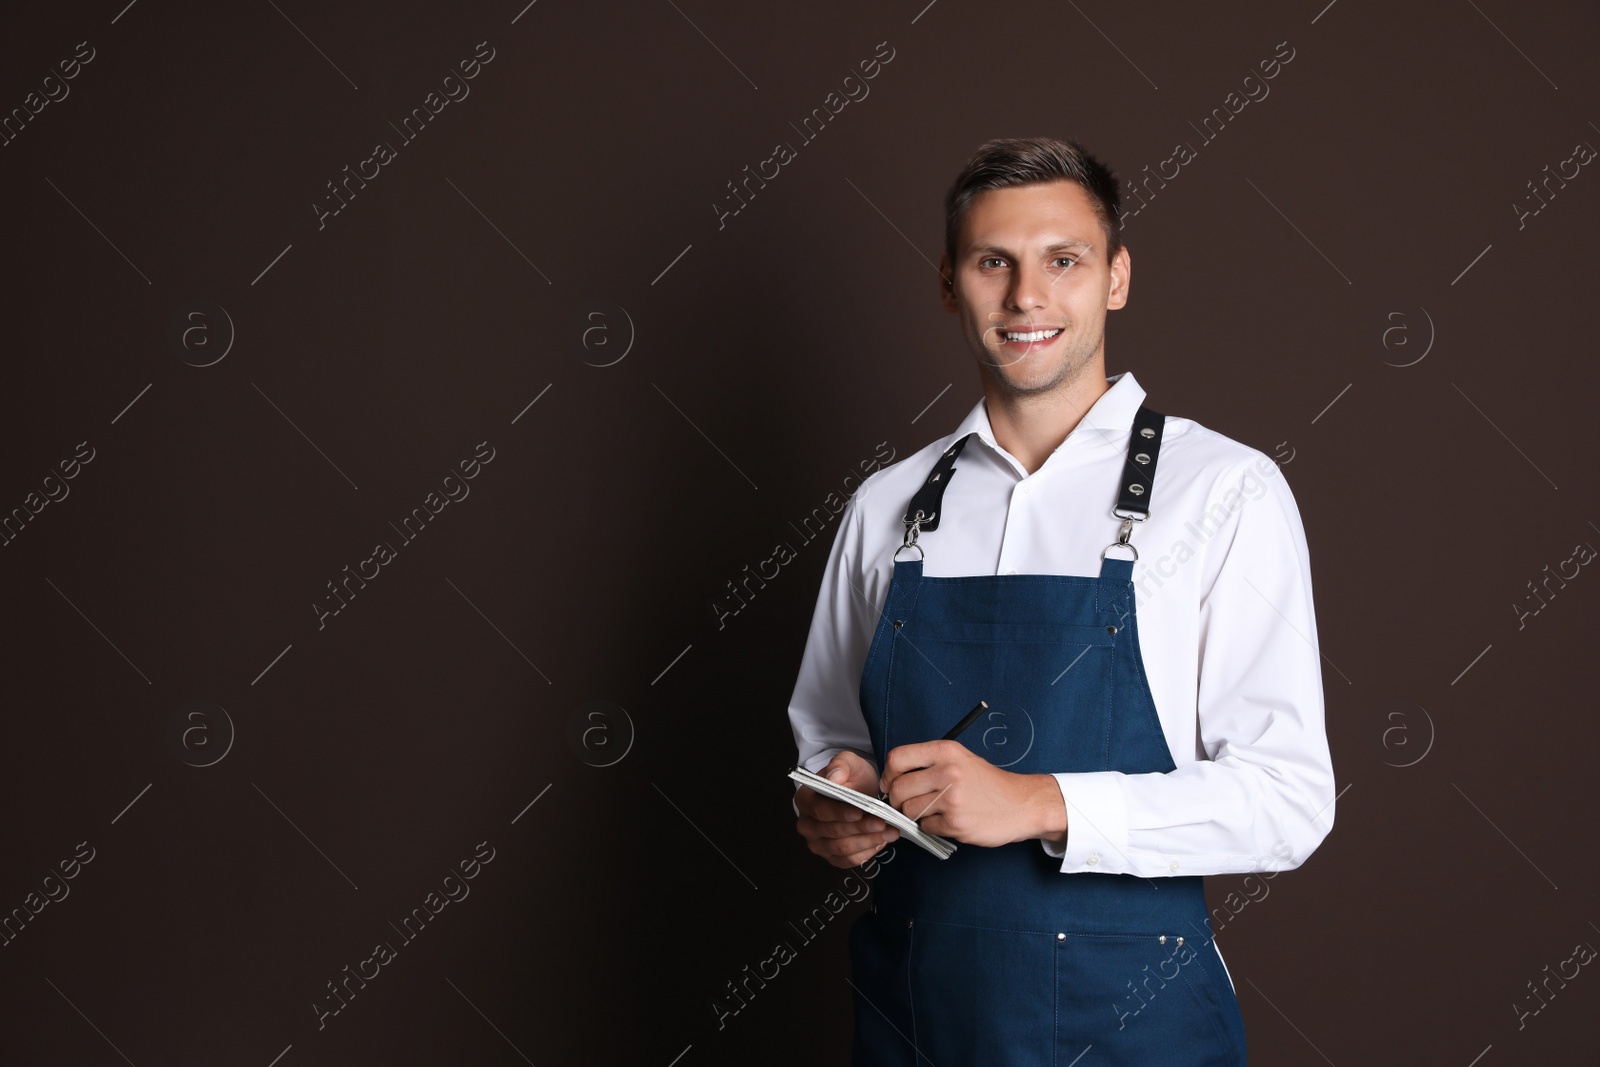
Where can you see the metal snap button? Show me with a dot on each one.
(1180, 939)
(1148, 431)
(1142, 457)
(899, 623)
(1061, 937)
(1111, 629)
(1162, 939)
(908, 924)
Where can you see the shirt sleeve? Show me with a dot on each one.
(825, 709)
(1263, 798)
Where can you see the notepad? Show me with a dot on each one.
(909, 830)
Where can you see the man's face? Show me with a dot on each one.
(1032, 259)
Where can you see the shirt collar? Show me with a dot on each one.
(1106, 424)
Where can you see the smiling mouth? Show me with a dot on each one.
(1028, 337)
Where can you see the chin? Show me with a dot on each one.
(1025, 386)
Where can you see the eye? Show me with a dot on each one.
(1069, 260)
(990, 259)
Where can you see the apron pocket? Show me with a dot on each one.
(1138, 1001)
(981, 995)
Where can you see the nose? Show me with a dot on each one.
(1030, 288)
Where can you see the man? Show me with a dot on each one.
(1155, 701)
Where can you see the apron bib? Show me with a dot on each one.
(993, 956)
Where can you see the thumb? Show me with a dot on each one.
(837, 774)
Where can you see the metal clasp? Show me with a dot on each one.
(913, 527)
(1124, 534)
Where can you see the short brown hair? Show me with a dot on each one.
(1007, 161)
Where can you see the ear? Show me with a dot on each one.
(1121, 279)
(947, 297)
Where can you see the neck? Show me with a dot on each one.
(1032, 427)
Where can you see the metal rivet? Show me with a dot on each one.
(1180, 939)
(1136, 489)
(1061, 937)
(1142, 457)
(1163, 939)
(1148, 431)
(1109, 629)
(908, 924)
(935, 477)
(899, 623)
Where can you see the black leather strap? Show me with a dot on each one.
(1139, 469)
(925, 507)
(1133, 496)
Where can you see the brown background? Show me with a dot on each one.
(767, 359)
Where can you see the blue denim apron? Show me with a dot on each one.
(993, 956)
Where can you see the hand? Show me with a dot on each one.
(841, 833)
(953, 792)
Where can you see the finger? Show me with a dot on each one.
(852, 845)
(810, 801)
(914, 783)
(835, 830)
(848, 862)
(910, 757)
(828, 828)
(849, 769)
(858, 850)
(850, 762)
(858, 858)
(837, 810)
(928, 805)
(833, 810)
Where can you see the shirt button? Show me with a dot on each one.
(1094, 858)
(1011, 570)
(1172, 866)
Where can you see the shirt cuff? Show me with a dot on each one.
(1097, 824)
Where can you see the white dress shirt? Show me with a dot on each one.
(1226, 629)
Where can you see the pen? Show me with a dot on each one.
(968, 721)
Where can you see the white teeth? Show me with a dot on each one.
(1037, 335)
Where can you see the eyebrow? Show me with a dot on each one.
(1059, 246)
